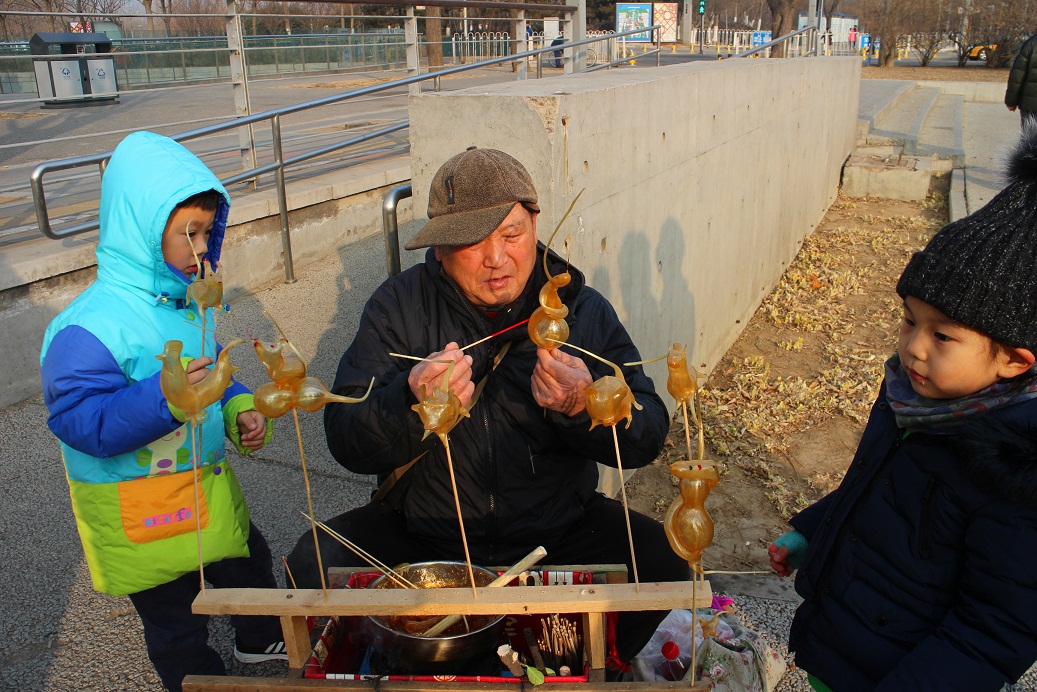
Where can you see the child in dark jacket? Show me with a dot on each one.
(918, 572)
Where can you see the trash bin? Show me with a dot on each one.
(74, 69)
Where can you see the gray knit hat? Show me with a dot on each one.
(981, 270)
(471, 194)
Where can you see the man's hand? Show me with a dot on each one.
(779, 560)
(252, 427)
(560, 382)
(1011, 108)
(196, 369)
(431, 374)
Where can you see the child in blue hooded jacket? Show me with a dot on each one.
(127, 454)
(918, 572)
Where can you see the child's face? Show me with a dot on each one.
(944, 358)
(176, 246)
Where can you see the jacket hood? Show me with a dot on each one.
(147, 176)
(999, 453)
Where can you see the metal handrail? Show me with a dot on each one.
(780, 39)
(391, 226)
(280, 163)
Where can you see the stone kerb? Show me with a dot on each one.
(702, 180)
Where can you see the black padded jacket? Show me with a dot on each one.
(523, 472)
(921, 572)
(1022, 79)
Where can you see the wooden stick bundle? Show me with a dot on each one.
(560, 645)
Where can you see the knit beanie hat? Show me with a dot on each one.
(981, 270)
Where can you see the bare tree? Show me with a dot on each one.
(784, 16)
(211, 25)
(890, 21)
(1001, 25)
(166, 8)
(46, 6)
(434, 35)
(150, 13)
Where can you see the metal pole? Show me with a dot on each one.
(579, 32)
(522, 66)
(410, 30)
(239, 80)
(702, 33)
(282, 200)
(390, 226)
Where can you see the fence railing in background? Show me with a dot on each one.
(279, 164)
(796, 44)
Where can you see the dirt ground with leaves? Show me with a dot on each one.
(786, 405)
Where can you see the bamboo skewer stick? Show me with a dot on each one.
(687, 429)
(288, 571)
(197, 505)
(309, 502)
(395, 576)
(460, 519)
(498, 333)
(694, 617)
(512, 572)
(626, 508)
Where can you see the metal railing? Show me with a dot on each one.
(797, 44)
(280, 163)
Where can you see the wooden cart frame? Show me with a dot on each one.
(592, 601)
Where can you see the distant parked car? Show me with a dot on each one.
(982, 52)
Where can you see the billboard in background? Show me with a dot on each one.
(665, 14)
(631, 16)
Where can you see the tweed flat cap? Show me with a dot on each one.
(471, 194)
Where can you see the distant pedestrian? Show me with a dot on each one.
(1022, 82)
(853, 38)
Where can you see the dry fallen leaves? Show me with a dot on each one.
(835, 303)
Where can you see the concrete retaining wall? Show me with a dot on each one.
(702, 180)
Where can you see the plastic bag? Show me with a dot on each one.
(733, 659)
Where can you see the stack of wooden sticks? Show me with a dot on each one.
(560, 645)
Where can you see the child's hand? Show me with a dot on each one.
(779, 560)
(197, 369)
(252, 426)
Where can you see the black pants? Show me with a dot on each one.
(177, 638)
(599, 537)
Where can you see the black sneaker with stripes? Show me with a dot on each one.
(273, 652)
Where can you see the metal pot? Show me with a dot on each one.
(390, 637)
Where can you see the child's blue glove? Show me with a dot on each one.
(796, 544)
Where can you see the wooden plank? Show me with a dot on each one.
(585, 598)
(337, 574)
(594, 640)
(200, 683)
(296, 640)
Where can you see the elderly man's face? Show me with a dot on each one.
(494, 271)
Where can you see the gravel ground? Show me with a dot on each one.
(772, 619)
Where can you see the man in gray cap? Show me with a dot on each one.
(524, 460)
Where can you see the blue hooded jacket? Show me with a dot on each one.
(101, 385)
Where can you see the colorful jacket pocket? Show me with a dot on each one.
(162, 506)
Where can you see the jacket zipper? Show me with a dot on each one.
(925, 527)
(491, 519)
